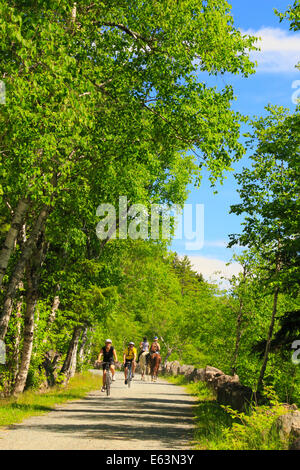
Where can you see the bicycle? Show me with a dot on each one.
(108, 380)
(129, 375)
(129, 372)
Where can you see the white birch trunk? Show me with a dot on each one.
(18, 273)
(11, 237)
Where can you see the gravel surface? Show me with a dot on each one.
(146, 416)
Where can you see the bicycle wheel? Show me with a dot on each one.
(129, 375)
(108, 382)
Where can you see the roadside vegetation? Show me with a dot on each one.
(33, 403)
(221, 428)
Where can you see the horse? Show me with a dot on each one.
(155, 360)
(144, 364)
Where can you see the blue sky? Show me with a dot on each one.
(272, 83)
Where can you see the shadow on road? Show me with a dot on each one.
(169, 421)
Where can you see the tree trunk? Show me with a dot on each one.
(16, 352)
(50, 365)
(269, 339)
(18, 273)
(52, 316)
(32, 275)
(31, 300)
(55, 305)
(82, 346)
(69, 366)
(170, 350)
(11, 236)
(238, 338)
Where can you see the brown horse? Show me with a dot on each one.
(155, 360)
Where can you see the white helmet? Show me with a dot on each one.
(108, 341)
(131, 343)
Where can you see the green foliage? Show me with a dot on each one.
(113, 104)
(269, 198)
(292, 14)
(257, 430)
(222, 428)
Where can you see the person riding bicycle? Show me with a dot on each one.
(155, 346)
(109, 355)
(129, 358)
(144, 347)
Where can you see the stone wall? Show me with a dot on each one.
(228, 389)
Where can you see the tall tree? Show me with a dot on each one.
(105, 101)
(270, 199)
(110, 100)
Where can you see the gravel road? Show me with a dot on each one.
(146, 416)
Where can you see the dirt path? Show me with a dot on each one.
(146, 416)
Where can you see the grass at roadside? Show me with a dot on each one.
(32, 403)
(221, 429)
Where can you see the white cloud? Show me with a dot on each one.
(212, 269)
(280, 50)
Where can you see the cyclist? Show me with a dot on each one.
(129, 357)
(144, 347)
(109, 355)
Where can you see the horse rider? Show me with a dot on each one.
(155, 346)
(155, 358)
(144, 347)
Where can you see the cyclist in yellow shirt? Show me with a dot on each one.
(129, 357)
